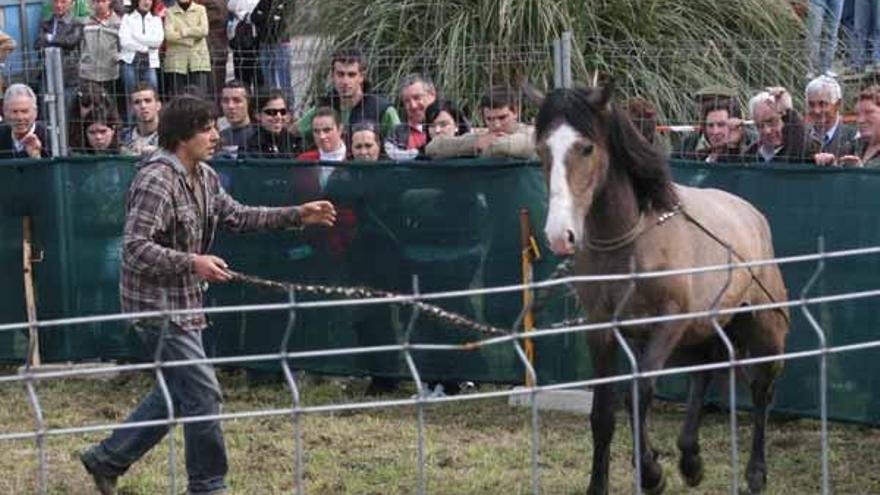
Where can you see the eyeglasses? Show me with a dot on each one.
(274, 112)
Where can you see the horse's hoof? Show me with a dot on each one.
(691, 468)
(658, 487)
(757, 479)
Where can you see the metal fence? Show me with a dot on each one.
(802, 302)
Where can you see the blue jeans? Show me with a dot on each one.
(275, 65)
(823, 24)
(866, 27)
(194, 392)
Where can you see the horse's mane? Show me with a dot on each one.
(589, 112)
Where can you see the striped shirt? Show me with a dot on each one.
(165, 228)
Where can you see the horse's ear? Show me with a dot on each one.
(533, 94)
(601, 95)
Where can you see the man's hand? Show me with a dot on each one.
(825, 159)
(850, 161)
(317, 213)
(32, 145)
(484, 140)
(210, 268)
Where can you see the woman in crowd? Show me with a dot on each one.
(100, 131)
(365, 142)
(865, 151)
(445, 119)
(140, 36)
(90, 97)
(187, 60)
(272, 139)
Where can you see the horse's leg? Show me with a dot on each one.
(602, 351)
(664, 339)
(690, 465)
(767, 337)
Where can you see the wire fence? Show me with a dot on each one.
(802, 302)
(665, 76)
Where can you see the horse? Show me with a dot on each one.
(614, 207)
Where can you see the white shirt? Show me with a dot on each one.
(331, 156)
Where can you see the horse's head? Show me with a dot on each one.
(572, 144)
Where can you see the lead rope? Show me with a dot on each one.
(430, 310)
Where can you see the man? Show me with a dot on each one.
(21, 136)
(351, 98)
(143, 138)
(827, 134)
(175, 203)
(503, 137)
(99, 50)
(781, 131)
(417, 93)
(63, 31)
(235, 103)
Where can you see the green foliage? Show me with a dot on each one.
(662, 50)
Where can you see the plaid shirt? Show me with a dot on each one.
(165, 229)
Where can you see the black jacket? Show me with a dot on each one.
(264, 144)
(270, 18)
(67, 36)
(7, 148)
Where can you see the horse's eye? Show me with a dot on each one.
(587, 150)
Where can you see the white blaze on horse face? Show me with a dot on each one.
(562, 229)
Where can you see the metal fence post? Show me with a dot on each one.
(51, 97)
(57, 85)
(565, 58)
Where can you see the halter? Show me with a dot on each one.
(615, 243)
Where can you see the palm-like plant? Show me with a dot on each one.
(661, 50)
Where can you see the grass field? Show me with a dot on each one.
(479, 447)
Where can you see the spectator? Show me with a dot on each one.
(187, 60)
(218, 43)
(101, 130)
(244, 43)
(351, 97)
(272, 138)
(21, 136)
(7, 46)
(504, 136)
(62, 30)
(865, 151)
(99, 50)
(695, 143)
(143, 138)
(722, 130)
(234, 101)
(271, 17)
(140, 36)
(408, 139)
(88, 97)
(866, 30)
(366, 144)
(827, 133)
(327, 135)
(823, 23)
(445, 120)
(164, 266)
(781, 131)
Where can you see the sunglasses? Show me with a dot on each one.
(274, 112)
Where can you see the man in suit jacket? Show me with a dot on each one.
(21, 136)
(827, 134)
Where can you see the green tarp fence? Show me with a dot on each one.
(455, 225)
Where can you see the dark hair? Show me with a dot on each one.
(269, 95)
(144, 86)
(95, 97)
(237, 84)
(367, 126)
(643, 115)
(182, 119)
(500, 97)
(720, 103)
(327, 112)
(349, 56)
(193, 91)
(101, 115)
(442, 105)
